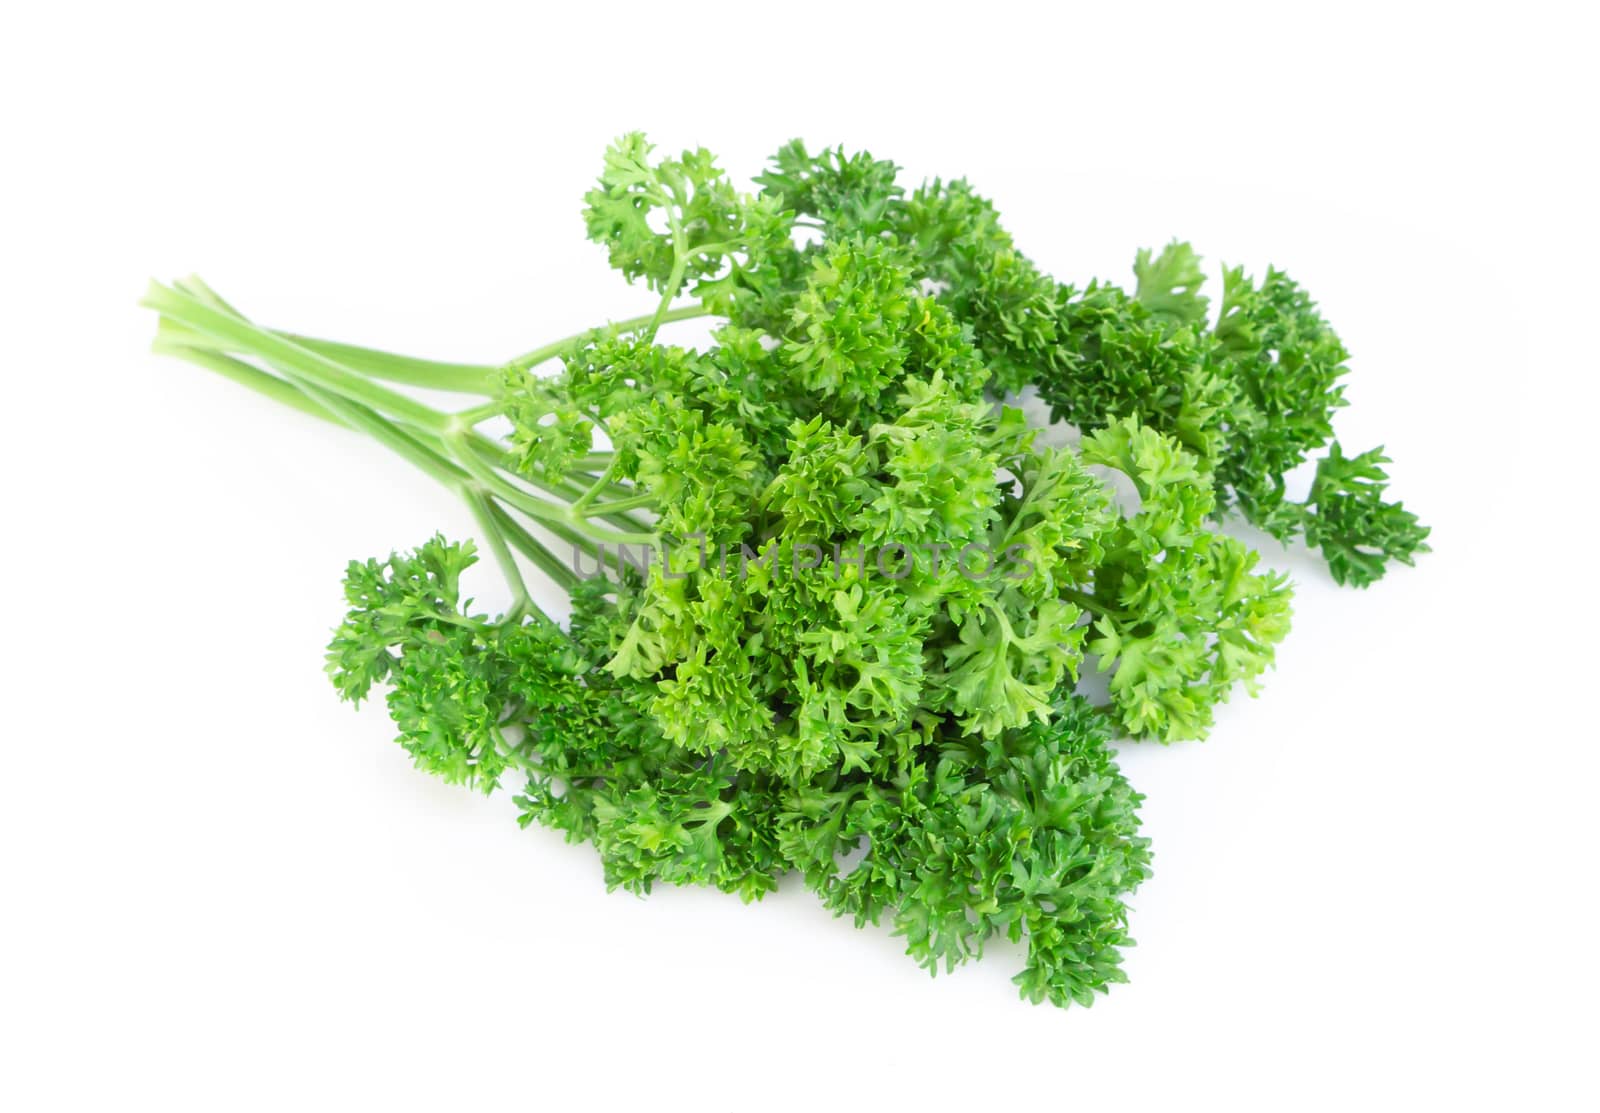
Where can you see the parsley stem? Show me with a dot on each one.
(235, 334)
(632, 324)
(674, 280)
(1090, 603)
(389, 435)
(525, 543)
(494, 537)
(459, 378)
(279, 390)
(498, 527)
(496, 455)
(616, 506)
(599, 484)
(335, 382)
(680, 265)
(511, 751)
(468, 456)
(492, 408)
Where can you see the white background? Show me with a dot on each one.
(219, 888)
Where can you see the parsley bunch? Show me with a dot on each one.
(830, 601)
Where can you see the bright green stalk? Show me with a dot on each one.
(494, 537)
(232, 333)
(460, 378)
(242, 373)
(333, 381)
(649, 320)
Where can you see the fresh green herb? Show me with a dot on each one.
(870, 593)
(1252, 396)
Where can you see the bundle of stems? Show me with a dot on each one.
(348, 385)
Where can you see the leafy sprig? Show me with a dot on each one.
(1252, 396)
